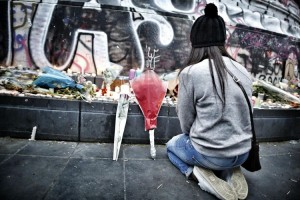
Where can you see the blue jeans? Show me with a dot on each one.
(184, 156)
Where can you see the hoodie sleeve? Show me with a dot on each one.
(185, 103)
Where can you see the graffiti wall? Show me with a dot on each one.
(87, 36)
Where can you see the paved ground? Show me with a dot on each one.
(33, 170)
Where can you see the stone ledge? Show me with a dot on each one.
(72, 120)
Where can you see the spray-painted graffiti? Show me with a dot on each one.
(21, 17)
(266, 53)
(89, 36)
(5, 33)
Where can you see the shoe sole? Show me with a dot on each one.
(239, 183)
(221, 188)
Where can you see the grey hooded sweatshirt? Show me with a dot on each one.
(212, 130)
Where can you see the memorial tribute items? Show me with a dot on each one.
(149, 91)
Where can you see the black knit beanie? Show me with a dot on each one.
(209, 29)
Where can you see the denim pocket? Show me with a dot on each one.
(204, 163)
(217, 163)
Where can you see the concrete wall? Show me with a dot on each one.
(89, 35)
(58, 119)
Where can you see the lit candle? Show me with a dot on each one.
(115, 96)
(108, 89)
(117, 89)
(138, 72)
(131, 74)
(69, 72)
(125, 89)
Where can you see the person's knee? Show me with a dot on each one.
(169, 144)
(172, 142)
